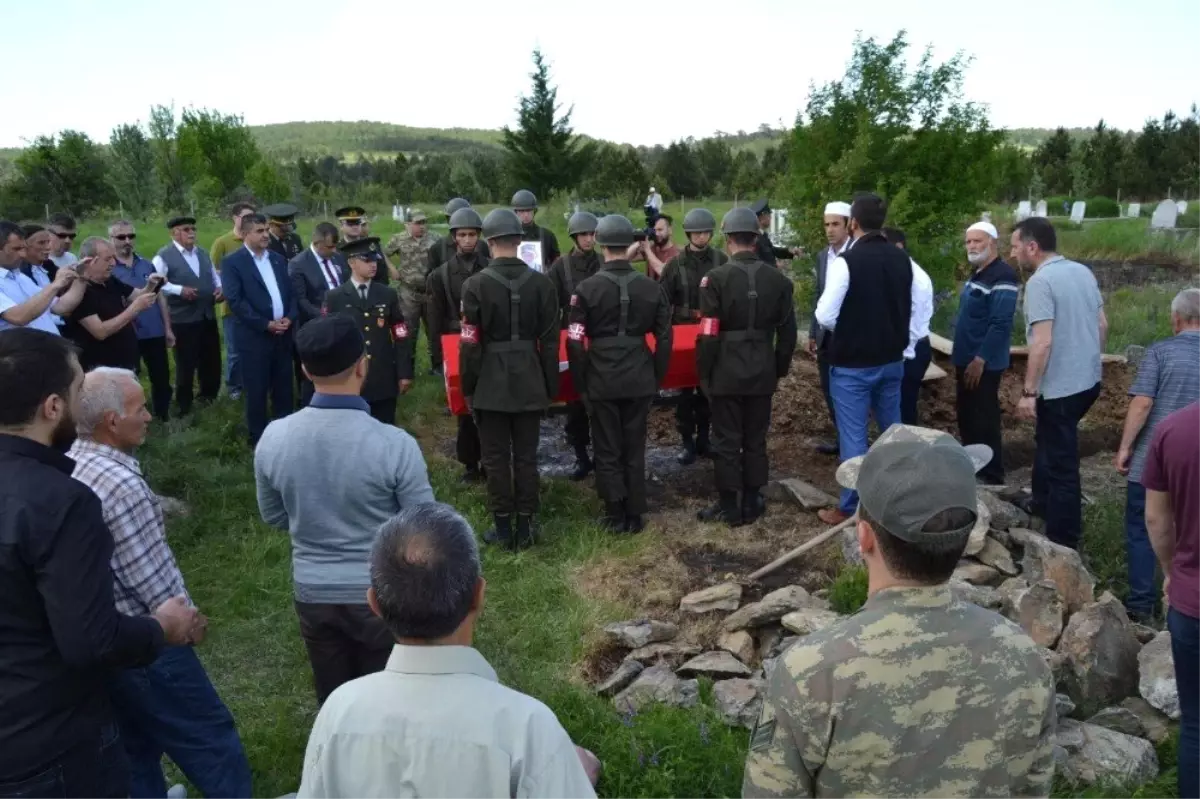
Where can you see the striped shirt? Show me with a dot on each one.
(144, 571)
(1169, 374)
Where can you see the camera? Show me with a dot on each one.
(647, 233)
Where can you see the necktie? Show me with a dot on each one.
(330, 273)
(362, 290)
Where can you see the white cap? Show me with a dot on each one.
(651, 188)
(986, 227)
(838, 209)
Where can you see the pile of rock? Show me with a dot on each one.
(1115, 679)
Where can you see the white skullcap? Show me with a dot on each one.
(986, 227)
(651, 188)
(838, 209)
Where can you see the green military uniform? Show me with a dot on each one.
(566, 273)
(289, 246)
(618, 376)
(413, 266)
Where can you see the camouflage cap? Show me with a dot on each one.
(910, 475)
(416, 215)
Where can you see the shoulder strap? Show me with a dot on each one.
(716, 257)
(514, 297)
(451, 308)
(567, 276)
(752, 294)
(622, 285)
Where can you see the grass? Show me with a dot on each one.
(849, 590)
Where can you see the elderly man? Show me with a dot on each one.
(982, 338)
(224, 245)
(168, 706)
(837, 233)
(334, 448)
(436, 721)
(102, 324)
(1066, 330)
(38, 243)
(24, 303)
(193, 288)
(412, 248)
(153, 325)
(1168, 379)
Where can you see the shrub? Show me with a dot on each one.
(1102, 208)
(849, 591)
(1054, 205)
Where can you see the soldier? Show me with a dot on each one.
(919, 693)
(443, 250)
(413, 246)
(767, 252)
(681, 282)
(747, 336)
(443, 301)
(353, 223)
(525, 204)
(566, 273)
(615, 371)
(385, 331)
(281, 222)
(509, 356)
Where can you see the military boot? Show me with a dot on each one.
(725, 510)
(753, 505)
(501, 533)
(703, 448)
(473, 474)
(526, 533)
(583, 464)
(634, 524)
(613, 519)
(688, 456)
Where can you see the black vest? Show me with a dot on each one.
(872, 326)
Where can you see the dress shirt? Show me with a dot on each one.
(329, 269)
(15, 289)
(922, 309)
(359, 286)
(837, 283)
(193, 261)
(267, 272)
(437, 722)
(144, 569)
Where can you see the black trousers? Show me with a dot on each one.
(979, 419)
(266, 374)
(466, 443)
(692, 414)
(197, 353)
(509, 443)
(384, 410)
(344, 642)
(578, 427)
(739, 441)
(910, 384)
(1057, 489)
(823, 370)
(304, 386)
(154, 358)
(619, 428)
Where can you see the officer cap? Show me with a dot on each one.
(329, 345)
(614, 230)
(524, 200)
(760, 207)
(455, 204)
(581, 222)
(699, 220)
(176, 221)
(740, 220)
(280, 213)
(351, 213)
(501, 222)
(465, 218)
(360, 248)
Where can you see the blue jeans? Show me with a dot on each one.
(95, 766)
(1057, 494)
(1185, 650)
(1138, 552)
(233, 362)
(171, 707)
(857, 393)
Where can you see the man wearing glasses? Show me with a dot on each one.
(353, 224)
(63, 228)
(153, 325)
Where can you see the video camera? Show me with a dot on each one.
(647, 233)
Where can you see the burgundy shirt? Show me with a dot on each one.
(1173, 466)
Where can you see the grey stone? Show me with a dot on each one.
(672, 652)
(726, 596)
(620, 679)
(1134, 354)
(1003, 537)
(1057, 662)
(1164, 215)
(1063, 706)
(980, 530)
(801, 493)
(1156, 670)
(976, 573)
(1020, 535)
(768, 641)
(995, 555)
(738, 701)
(639, 632)
(1143, 633)
(1045, 560)
(808, 620)
(1102, 656)
(1005, 515)
(716, 664)
(1069, 735)
(1158, 729)
(739, 643)
(980, 595)
(850, 551)
(657, 684)
(1119, 719)
(1101, 755)
(771, 608)
(1037, 608)
(1078, 210)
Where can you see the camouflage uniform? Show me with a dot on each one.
(413, 267)
(916, 695)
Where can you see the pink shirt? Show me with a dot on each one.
(1173, 466)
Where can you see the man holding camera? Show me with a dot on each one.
(655, 250)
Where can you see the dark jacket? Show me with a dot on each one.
(444, 249)
(388, 341)
(507, 367)
(815, 331)
(735, 354)
(608, 362)
(767, 252)
(443, 291)
(983, 326)
(873, 321)
(289, 246)
(568, 272)
(681, 280)
(249, 300)
(310, 283)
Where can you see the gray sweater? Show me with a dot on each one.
(331, 476)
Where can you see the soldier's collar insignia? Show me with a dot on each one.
(763, 736)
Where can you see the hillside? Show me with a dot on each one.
(295, 139)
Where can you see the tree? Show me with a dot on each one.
(1053, 161)
(681, 170)
(131, 173)
(616, 174)
(167, 166)
(544, 155)
(715, 159)
(67, 172)
(267, 183)
(217, 145)
(1103, 154)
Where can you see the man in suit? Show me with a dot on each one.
(837, 233)
(766, 251)
(314, 272)
(261, 298)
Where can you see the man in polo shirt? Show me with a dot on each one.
(436, 721)
(22, 302)
(153, 325)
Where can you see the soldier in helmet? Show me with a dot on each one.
(525, 204)
(412, 251)
(353, 228)
(767, 252)
(443, 302)
(615, 371)
(747, 337)
(566, 273)
(444, 249)
(681, 281)
(509, 356)
(281, 222)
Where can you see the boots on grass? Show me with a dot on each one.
(501, 532)
(473, 474)
(526, 532)
(634, 524)
(753, 505)
(726, 510)
(703, 448)
(583, 464)
(613, 519)
(688, 456)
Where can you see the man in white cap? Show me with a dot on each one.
(654, 200)
(982, 335)
(837, 233)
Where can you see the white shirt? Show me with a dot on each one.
(922, 309)
(328, 268)
(66, 259)
(437, 722)
(193, 260)
(654, 201)
(16, 289)
(263, 262)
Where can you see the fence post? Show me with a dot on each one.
(47, 212)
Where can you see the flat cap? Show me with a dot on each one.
(329, 345)
(360, 248)
(176, 221)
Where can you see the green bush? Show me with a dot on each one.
(849, 591)
(1191, 218)
(1102, 208)
(1054, 205)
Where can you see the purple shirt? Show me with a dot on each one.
(1173, 466)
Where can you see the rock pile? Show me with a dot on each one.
(1115, 680)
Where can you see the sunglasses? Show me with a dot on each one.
(67, 236)
(125, 236)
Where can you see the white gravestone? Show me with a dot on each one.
(1182, 206)
(1040, 209)
(398, 213)
(1077, 211)
(1135, 210)
(1024, 210)
(1164, 216)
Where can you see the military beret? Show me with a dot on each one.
(760, 207)
(281, 213)
(176, 221)
(329, 345)
(360, 248)
(351, 213)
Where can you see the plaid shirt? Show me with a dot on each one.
(144, 570)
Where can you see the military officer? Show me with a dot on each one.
(443, 303)
(353, 227)
(615, 370)
(509, 356)
(767, 252)
(412, 250)
(681, 281)
(746, 340)
(385, 330)
(525, 204)
(281, 222)
(568, 271)
(444, 248)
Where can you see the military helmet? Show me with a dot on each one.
(614, 230)
(699, 220)
(739, 220)
(501, 222)
(524, 200)
(581, 222)
(456, 204)
(465, 218)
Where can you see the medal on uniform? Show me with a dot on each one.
(379, 321)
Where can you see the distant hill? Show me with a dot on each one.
(291, 140)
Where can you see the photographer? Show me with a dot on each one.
(656, 251)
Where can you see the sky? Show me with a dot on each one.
(636, 72)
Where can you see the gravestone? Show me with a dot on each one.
(1077, 211)
(1040, 209)
(1024, 211)
(1164, 216)
(781, 231)
(398, 213)
(1182, 206)
(1135, 210)
(987, 216)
